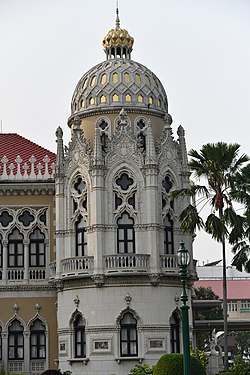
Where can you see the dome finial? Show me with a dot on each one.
(117, 22)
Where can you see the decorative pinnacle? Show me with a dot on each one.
(117, 22)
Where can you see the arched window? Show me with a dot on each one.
(81, 237)
(128, 336)
(168, 235)
(80, 337)
(15, 249)
(15, 341)
(37, 249)
(125, 234)
(175, 333)
(37, 340)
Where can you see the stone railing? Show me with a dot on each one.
(127, 262)
(26, 171)
(77, 266)
(168, 263)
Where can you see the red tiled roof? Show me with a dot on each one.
(13, 145)
(236, 289)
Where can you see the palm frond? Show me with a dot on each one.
(241, 258)
(215, 226)
(190, 220)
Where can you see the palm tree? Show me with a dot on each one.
(217, 165)
(241, 248)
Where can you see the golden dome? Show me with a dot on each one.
(118, 42)
(117, 37)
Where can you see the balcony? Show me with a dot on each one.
(168, 263)
(127, 263)
(77, 266)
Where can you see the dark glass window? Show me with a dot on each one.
(103, 125)
(128, 336)
(79, 185)
(124, 181)
(141, 124)
(37, 249)
(81, 237)
(43, 218)
(131, 201)
(141, 141)
(175, 333)
(168, 235)
(15, 249)
(125, 234)
(15, 341)
(5, 218)
(167, 184)
(80, 337)
(26, 218)
(118, 201)
(37, 340)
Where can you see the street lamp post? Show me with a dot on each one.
(183, 258)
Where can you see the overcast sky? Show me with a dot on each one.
(199, 49)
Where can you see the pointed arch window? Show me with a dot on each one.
(80, 337)
(15, 341)
(128, 336)
(37, 340)
(175, 333)
(81, 237)
(125, 234)
(15, 249)
(37, 249)
(168, 235)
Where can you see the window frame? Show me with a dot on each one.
(124, 238)
(15, 255)
(83, 243)
(16, 335)
(39, 335)
(40, 251)
(168, 236)
(79, 342)
(128, 329)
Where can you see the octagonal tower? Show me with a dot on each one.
(117, 229)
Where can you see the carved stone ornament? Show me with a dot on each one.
(77, 301)
(37, 307)
(154, 278)
(128, 299)
(176, 299)
(15, 308)
(98, 280)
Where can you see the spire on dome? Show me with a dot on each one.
(117, 22)
(118, 43)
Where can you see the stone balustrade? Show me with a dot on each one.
(127, 262)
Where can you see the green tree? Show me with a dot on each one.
(243, 341)
(217, 165)
(214, 313)
(241, 248)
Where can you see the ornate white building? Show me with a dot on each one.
(117, 231)
(88, 237)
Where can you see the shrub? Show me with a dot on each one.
(141, 370)
(172, 364)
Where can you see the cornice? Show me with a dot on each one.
(27, 188)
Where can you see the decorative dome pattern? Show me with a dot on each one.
(121, 83)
